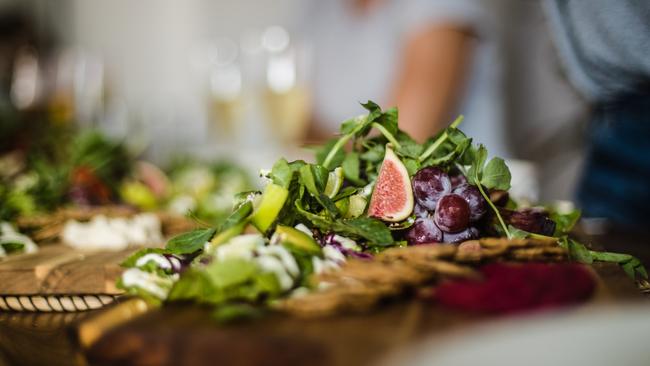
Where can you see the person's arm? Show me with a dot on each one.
(431, 78)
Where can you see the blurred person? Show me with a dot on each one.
(605, 48)
(433, 59)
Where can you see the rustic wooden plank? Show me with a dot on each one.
(23, 274)
(94, 273)
(188, 335)
(57, 269)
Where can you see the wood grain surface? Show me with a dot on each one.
(57, 269)
(187, 335)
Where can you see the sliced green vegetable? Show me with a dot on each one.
(297, 240)
(273, 199)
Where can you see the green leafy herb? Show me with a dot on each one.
(370, 229)
(191, 241)
(580, 253)
(564, 223)
(440, 140)
(496, 175)
(351, 168)
(316, 186)
(238, 216)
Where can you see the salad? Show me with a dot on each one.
(371, 188)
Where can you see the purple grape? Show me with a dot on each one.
(452, 213)
(476, 202)
(459, 237)
(457, 179)
(429, 185)
(421, 212)
(424, 231)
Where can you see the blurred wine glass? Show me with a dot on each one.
(78, 91)
(286, 97)
(26, 83)
(220, 59)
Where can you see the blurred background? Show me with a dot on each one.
(247, 81)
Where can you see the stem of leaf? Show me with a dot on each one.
(440, 140)
(496, 211)
(339, 144)
(389, 136)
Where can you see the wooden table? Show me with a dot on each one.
(185, 334)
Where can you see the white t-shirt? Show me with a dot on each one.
(356, 58)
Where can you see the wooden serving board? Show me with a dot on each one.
(182, 334)
(61, 270)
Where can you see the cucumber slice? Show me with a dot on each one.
(273, 200)
(357, 206)
(334, 182)
(296, 239)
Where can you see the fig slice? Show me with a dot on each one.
(392, 198)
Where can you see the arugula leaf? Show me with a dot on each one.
(475, 172)
(388, 120)
(564, 223)
(408, 147)
(412, 165)
(321, 175)
(440, 139)
(308, 180)
(330, 155)
(345, 192)
(496, 175)
(518, 233)
(351, 168)
(385, 122)
(374, 153)
(451, 156)
(370, 229)
(190, 242)
(281, 173)
(580, 253)
(238, 216)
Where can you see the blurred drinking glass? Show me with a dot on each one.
(225, 86)
(286, 97)
(79, 89)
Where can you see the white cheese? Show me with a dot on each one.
(113, 233)
(160, 260)
(272, 264)
(149, 282)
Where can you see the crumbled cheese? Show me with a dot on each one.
(160, 260)
(239, 247)
(347, 243)
(113, 233)
(272, 264)
(288, 261)
(304, 229)
(331, 253)
(9, 235)
(150, 282)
